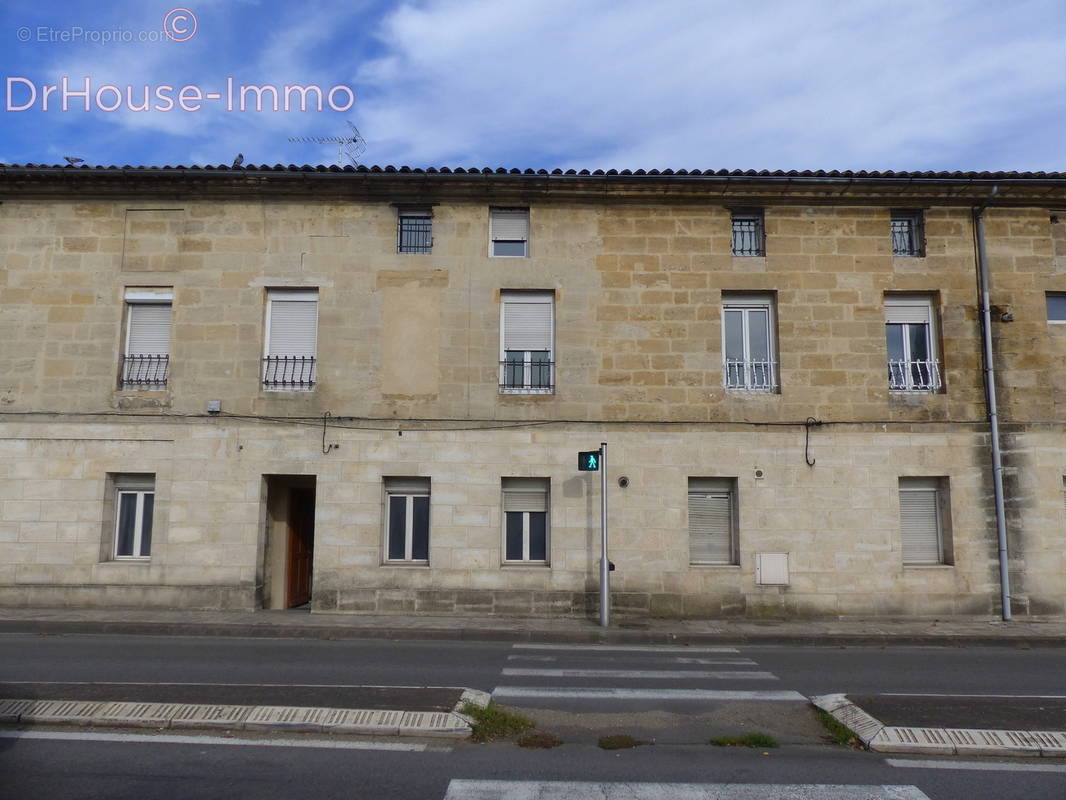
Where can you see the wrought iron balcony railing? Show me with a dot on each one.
(750, 376)
(527, 377)
(143, 371)
(914, 376)
(289, 372)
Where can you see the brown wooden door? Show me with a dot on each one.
(301, 545)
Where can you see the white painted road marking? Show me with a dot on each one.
(530, 658)
(579, 692)
(738, 661)
(144, 738)
(641, 674)
(994, 696)
(629, 648)
(585, 790)
(988, 766)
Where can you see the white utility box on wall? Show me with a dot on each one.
(771, 569)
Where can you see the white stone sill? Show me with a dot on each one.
(407, 564)
(928, 566)
(525, 565)
(714, 566)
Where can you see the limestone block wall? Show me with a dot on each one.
(837, 520)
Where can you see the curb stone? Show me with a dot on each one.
(291, 719)
(940, 741)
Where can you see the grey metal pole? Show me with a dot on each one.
(605, 564)
(993, 413)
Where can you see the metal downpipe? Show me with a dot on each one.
(993, 413)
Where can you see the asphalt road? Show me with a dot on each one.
(677, 697)
(110, 770)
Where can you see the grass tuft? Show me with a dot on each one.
(759, 740)
(494, 722)
(620, 741)
(539, 741)
(836, 731)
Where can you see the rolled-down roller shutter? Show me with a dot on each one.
(293, 324)
(149, 329)
(919, 519)
(710, 525)
(527, 321)
(509, 225)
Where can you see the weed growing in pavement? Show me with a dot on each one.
(759, 740)
(539, 741)
(494, 722)
(619, 742)
(836, 731)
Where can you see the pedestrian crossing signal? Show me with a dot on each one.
(588, 461)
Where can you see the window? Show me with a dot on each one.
(291, 339)
(414, 229)
(527, 337)
(923, 532)
(407, 520)
(749, 237)
(1056, 306)
(134, 506)
(908, 236)
(509, 232)
(712, 521)
(525, 520)
(748, 342)
(146, 348)
(911, 339)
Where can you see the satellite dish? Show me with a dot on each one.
(349, 147)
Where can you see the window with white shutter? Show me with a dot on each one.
(527, 363)
(525, 520)
(509, 232)
(920, 520)
(291, 339)
(407, 520)
(712, 521)
(146, 348)
(910, 334)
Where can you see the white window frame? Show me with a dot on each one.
(307, 295)
(934, 486)
(735, 301)
(927, 302)
(715, 487)
(139, 487)
(1047, 296)
(540, 487)
(532, 297)
(408, 488)
(493, 240)
(143, 297)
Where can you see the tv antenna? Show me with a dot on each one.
(349, 148)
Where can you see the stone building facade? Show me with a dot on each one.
(366, 389)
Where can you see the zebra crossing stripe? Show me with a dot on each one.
(588, 790)
(645, 674)
(627, 648)
(591, 693)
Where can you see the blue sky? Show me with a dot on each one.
(546, 83)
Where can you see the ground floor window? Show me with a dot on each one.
(525, 520)
(134, 497)
(923, 521)
(712, 521)
(407, 520)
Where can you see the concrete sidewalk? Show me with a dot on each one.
(302, 624)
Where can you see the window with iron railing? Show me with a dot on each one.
(748, 233)
(911, 340)
(527, 365)
(414, 231)
(907, 233)
(145, 362)
(291, 339)
(748, 340)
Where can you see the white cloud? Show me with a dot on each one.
(712, 84)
